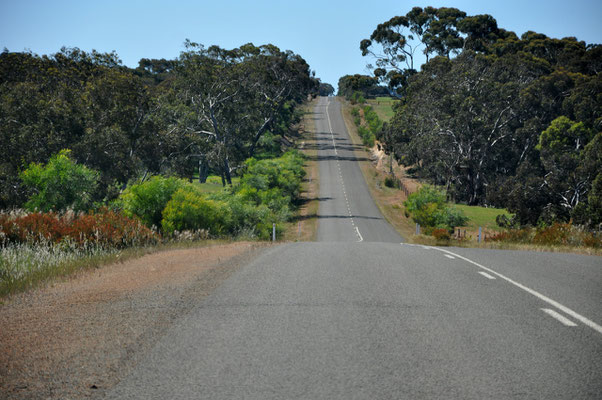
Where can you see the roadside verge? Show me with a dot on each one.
(77, 338)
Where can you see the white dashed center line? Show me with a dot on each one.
(586, 321)
(563, 320)
(486, 275)
(334, 145)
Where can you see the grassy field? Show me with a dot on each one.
(383, 106)
(482, 216)
(214, 184)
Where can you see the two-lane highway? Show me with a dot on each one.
(360, 315)
(347, 211)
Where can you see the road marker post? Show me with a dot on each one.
(479, 238)
(273, 232)
(417, 228)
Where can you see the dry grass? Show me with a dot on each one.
(47, 267)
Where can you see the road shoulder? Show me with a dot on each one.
(78, 338)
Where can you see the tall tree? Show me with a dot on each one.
(230, 98)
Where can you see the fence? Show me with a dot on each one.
(403, 187)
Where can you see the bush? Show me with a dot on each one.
(147, 200)
(285, 173)
(367, 137)
(391, 182)
(60, 184)
(105, 228)
(357, 98)
(372, 120)
(250, 219)
(441, 234)
(188, 209)
(558, 234)
(428, 207)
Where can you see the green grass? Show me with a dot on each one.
(482, 216)
(383, 106)
(214, 184)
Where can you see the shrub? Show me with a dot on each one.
(367, 136)
(147, 200)
(188, 209)
(250, 219)
(428, 207)
(105, 228)
(558, 234)
(357, 98)
(60, 184)
(372, 120)
(391, 182)
(441, 234)
(284, 173)
(513, 235)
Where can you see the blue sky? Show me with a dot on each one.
(326, 33)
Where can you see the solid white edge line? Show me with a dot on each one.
(563, 320)
(486, 275)
(540, 296)
(359, 234)
(450, 257)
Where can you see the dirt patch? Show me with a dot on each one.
(77, 338)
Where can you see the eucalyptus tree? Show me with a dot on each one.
(230, 98)
(495, 118)
(446, 31)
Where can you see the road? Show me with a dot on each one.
(361, 315)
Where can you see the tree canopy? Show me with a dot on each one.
(494, 118)
(209, 109)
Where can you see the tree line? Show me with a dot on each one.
(205, 112)
(494, 118)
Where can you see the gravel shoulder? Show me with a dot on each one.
(77, 338)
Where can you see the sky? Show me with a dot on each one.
(326, 33)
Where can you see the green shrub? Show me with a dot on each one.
(428, 207)
(147, 200)
(285, 173)
(372, 120)
(357, 98)
(60, 184)
(188, 209)
(367, 136)
(250, 219)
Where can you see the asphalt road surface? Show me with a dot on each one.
(360, 315)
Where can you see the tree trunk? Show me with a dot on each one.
(227, 172)
(203, 170)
